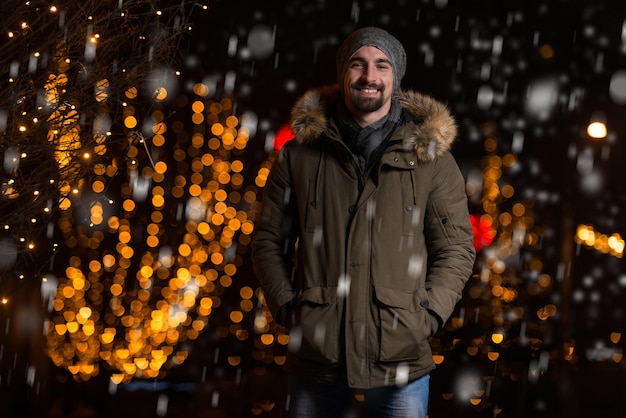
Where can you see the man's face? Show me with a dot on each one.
(368, 85)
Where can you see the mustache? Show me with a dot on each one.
(367, 86)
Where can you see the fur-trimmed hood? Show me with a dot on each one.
(431, 135)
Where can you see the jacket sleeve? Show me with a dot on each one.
(275, 235)
(449, 238)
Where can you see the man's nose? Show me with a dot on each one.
(368, 73)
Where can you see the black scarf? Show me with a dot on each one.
(367, 144)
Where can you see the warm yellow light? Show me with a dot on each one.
(546, 51)
(72, 327)
(234, 360)
(85, 312)
(122, 353)
(236, 316)
(616, 243)
(247, 227)
(60, 329)
(160, 94)
(108, 335)
(613, 244)
(130, 122)
(201, 89)
(131, 93)
(116, 289)
(158, 201)
(141, 362)
(267, 339)
(175, 289)
(197, 106)
(129, 206)
(597, 130)
(197, 118)
(160, 167)
(217, 129)
(129, 368)
(225, 281)
(246, 292)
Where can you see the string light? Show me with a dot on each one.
(188, 296)
(608, 244)
(52, 128)
(497, 296)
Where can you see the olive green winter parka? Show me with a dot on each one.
(367, 275)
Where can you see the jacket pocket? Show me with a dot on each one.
(315, 335)
(444, 225)
(404, 326)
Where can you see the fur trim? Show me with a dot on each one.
(437, 131)
(433, 133)
(309, 116)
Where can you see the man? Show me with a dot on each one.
(364, 243)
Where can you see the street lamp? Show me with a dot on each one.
(597, 126)
(597, 130)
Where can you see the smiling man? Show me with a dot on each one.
(364, 244)
(368, 85)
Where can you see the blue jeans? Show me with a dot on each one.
(318, 400)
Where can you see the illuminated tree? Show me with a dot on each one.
(143, 231)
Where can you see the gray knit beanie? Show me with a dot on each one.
(379, 38)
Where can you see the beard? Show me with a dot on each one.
(367, 104)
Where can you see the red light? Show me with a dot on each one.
(483, 231)
(283, 136)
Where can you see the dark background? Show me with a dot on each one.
(574, 49)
